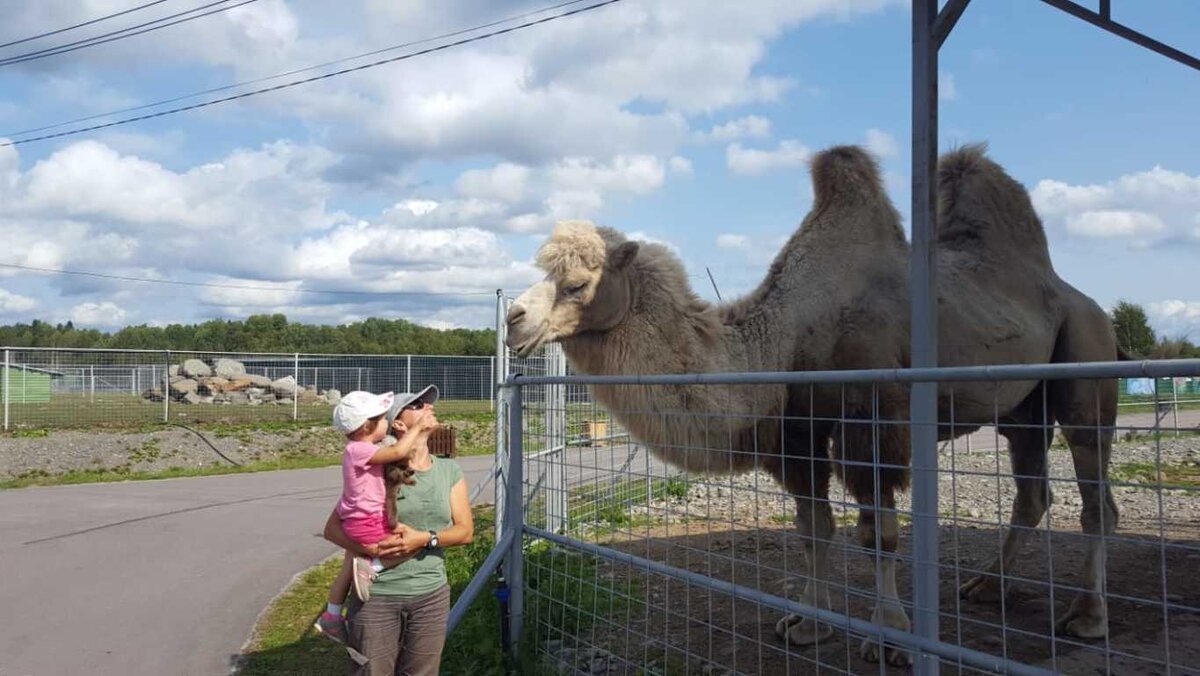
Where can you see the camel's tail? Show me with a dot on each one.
(845, 175)
(982, 209)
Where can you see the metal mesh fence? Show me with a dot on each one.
(54, 388)
(635, 565)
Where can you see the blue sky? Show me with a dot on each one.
(686, 124)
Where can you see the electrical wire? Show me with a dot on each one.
(295, 83)
(123, 33)
(81, 25)
(268, 78)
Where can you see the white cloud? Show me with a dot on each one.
(731, 241)
(1107, 224)
(750, 126)
(681, 166)
(11, 303)
(751, 161)
(1175, 318)
(882, 144)
(104, 315)
(504, 182)
(1148, 207)
(641, 236)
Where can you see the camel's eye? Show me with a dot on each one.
(575, 289)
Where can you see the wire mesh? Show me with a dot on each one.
(61, 388)
(1097, 574)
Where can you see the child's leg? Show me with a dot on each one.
(341, 584)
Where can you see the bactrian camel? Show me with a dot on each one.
(836, 297)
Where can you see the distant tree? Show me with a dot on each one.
(1134, 334)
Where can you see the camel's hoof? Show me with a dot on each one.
(869, 650)
(1085, 619)
(981, 589)
(800, 631)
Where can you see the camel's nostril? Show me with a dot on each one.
(515, 314)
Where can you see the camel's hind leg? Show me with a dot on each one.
(879, 529)
(1027, 448)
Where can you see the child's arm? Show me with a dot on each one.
(405, 444)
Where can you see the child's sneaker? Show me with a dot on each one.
(363, 576)
(332, 626)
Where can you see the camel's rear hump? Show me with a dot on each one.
(984, 211)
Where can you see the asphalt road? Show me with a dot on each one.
(155, 577)
(168, 577)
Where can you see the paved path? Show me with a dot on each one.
(155, 577)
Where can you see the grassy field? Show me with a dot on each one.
(284, 643)
(125, 410)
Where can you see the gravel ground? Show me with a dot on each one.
(66, 450)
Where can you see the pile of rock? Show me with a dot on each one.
(226, 382)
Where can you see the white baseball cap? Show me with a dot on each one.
(357, 407)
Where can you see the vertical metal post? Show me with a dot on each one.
(408, 373)
(923, 288)
(556, 438)
(166, 386)
(92, 382)
(7, 365)
(296, 391)
(514, 516)
(1175, 405)
(359, 378)
(501, 373)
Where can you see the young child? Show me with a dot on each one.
(363, 418)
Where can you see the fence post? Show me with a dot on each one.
(1175, 406)
(501, 372)
(296, 393)
(92, 378)
(408, 373)
(556, 428)
(166, 386)
(7, 364)
(514, 518)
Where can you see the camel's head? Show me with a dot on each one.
(587, 287)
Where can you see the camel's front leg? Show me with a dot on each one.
(814, 520)
(888, 610)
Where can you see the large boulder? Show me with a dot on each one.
(333, 396)
(173, 370)
(183, 387)
(257, 380)
(229, 368)
(285, 386)
(307, 396)
(214, 385)
(194, 368)
(153, 394)
(192, 398)
(237, 398)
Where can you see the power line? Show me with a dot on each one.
(122, 33)
(296, 71)
(294, 83)
(81, 25)
(245, 287)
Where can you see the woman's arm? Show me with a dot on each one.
(460, 532)
(337, 535)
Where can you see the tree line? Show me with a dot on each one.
(261, 333)
(1137, 337)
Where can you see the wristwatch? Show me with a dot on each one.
(433, 540)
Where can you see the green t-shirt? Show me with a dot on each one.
(424, 505)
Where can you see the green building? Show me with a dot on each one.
(25, 384)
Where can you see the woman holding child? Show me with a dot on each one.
(401, 600)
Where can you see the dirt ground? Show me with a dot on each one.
(658, 625)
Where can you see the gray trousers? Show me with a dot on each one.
(399, 636)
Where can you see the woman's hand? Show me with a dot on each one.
(409, 540)
(390, 546)
(399, 429)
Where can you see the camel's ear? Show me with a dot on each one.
(624, 255)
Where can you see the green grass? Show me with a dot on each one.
(1186, 475)
(564, 592)
(607, 504)
(126, 473)
(125, 411)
